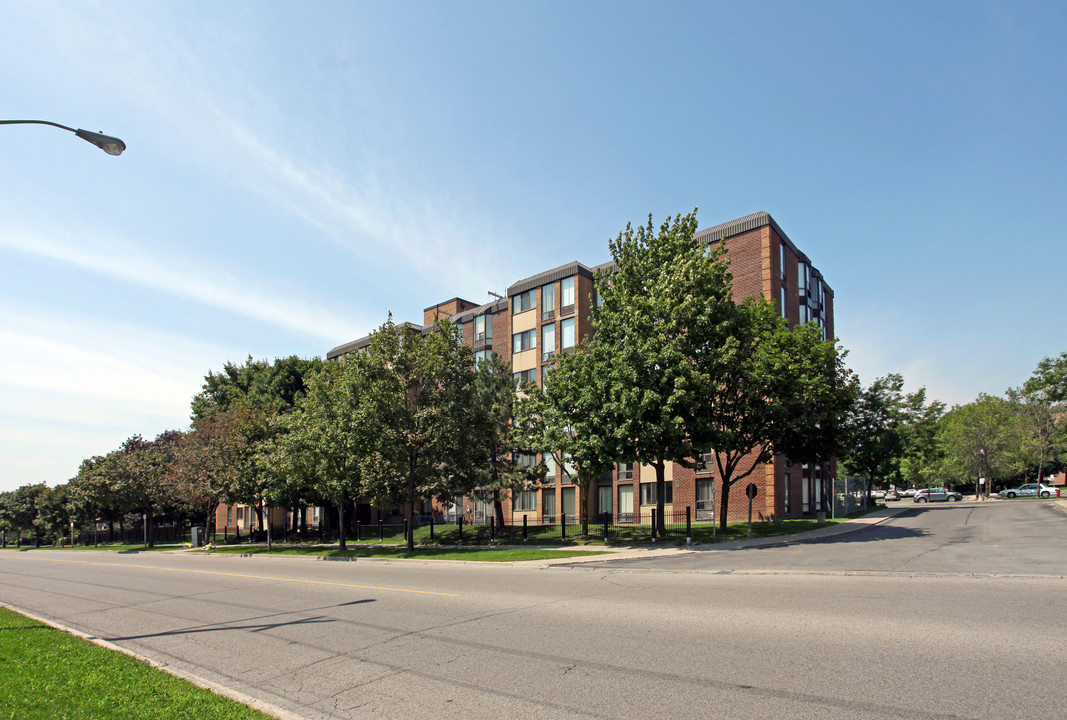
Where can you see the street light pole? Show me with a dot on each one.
(107, 143)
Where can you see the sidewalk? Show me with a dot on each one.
(829, 531)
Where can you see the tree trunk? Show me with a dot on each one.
(411, 511)
(498, 509)
(724, 506)
(661, 495)
(341, 521)
(266, 515)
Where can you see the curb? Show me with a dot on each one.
(222, 690)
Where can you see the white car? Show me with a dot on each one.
(1031, 490)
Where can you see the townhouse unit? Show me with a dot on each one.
(549, 312)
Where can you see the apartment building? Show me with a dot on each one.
(549, 312)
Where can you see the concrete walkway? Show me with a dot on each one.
(829, 531)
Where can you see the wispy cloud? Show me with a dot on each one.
(179, 276)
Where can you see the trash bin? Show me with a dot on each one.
(197, 536)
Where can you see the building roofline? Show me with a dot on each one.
(563, 271)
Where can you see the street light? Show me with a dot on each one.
(110, 145)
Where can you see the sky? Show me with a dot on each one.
(297, 171)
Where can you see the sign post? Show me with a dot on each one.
(751, 491)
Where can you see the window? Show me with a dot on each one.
(483, 328)
(569, 470)
(525, 376)
(781, 260)
(481, 355)
(705, 499)
(788, 487)
(548, 505)
(526, 500)
(567, 497)
(566, 333)
(525, 340)
(229, 515)
(709, 461)
(526, 460)
(784, 303)
(626, 471)
(548, 341)
(603, 500)
(626, 503)
(548, 301)
(648, 493)
(240, 514)
(566, 294)
(550, 467)
(523, 302)
(803, 270)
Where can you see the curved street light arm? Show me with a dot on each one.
(107, 143)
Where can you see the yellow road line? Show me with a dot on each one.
(252, 577)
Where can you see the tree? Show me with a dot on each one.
(502, 434)
(922, 458)
(769, 389)
(254, 394)
(982, 439)
(137, 472)
(330, 435)
(813, 423)
(203, 472)
(20, 510)
(421, 389)
(659, 331)
(566, 422)
(1041, 403)
(876, 443)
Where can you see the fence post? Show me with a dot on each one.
(409, 527)
(459, 522)
(524, 535)
(357, 530)
(607, 520)
(492, 528)
(688, 525)
(431, 528)
(563, 525)
(653, 524)
(381, 530)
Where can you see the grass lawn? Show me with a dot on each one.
(47, 674)
(488, 554)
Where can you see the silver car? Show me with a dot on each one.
(937, 495)
(1031, 490)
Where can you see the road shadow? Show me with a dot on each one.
(254, 624)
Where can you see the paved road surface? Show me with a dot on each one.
(793, 633)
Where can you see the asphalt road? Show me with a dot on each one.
(948, 612)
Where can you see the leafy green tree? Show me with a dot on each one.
(331, 434)
(876, 442)
(660, 333)
(91, 494)
(565, 421)
(982, 439)
(420, 399)
(922, 459)
(501, 433)
(53, 513)
(137, 476)
(271, 386)
(20, 510)
(820, 392)
(761, 387)
(1041, 401)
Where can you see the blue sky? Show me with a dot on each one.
(297, 171)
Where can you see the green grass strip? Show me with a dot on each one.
(48, 674)
(507, 554)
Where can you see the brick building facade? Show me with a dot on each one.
(549, 312)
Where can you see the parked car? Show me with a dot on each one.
(878, 494)
(1031, 490)
(910, 492)
(891, 495)
(937, 495)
